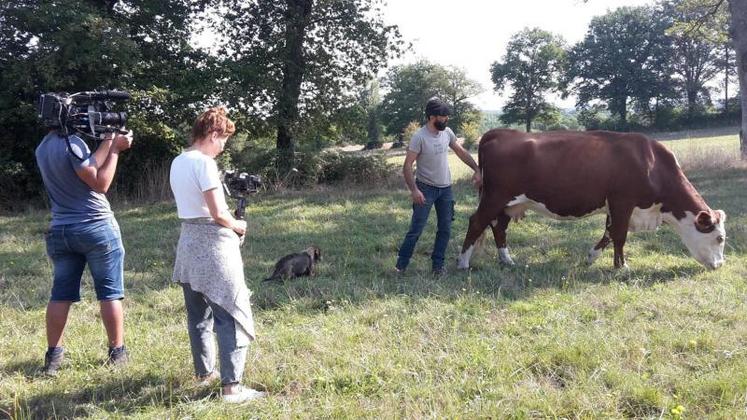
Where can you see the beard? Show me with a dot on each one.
(440, 125)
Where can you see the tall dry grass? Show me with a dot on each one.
(697, 154)
(152, 186)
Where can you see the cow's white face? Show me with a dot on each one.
(704, 235)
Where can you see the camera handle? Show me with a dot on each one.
(239, 213)
(241, 202)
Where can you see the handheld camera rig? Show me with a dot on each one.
(85, 113)
(240, 186)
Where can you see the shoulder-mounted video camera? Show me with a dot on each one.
(240, 186)
(85, 113)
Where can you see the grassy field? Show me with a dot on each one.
(547, 338)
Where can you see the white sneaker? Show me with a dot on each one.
(243, 394)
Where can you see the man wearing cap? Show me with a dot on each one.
(431, 185)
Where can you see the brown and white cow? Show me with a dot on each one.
(634, 180)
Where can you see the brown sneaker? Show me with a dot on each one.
(117, 356)
(53, 361)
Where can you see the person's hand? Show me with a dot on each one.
(122, 141)
(477, 179)
(239, 226)
(418, 197)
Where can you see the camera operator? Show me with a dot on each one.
(83, 231)
(208, 260)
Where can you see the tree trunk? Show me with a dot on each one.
(726, 79)
(692, 102)
(297, 19)
(738, 10)
(619, 107)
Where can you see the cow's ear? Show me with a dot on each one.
(721, 216)
(704, 222)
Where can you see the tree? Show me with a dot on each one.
(71, 46)
(409, 87)
(623, 57)
(738, 9)
(297, 57)
(459, 88)
(532, 66)
(372, 104)
(738, 34)
(700, 42)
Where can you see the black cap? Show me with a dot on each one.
(436, 106)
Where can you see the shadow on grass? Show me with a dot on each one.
(27, 368)
(118, 395)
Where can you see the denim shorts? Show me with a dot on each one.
(97, 243)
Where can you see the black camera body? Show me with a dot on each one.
(240, 186)
(86, 113)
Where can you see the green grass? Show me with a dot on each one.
(549, 337)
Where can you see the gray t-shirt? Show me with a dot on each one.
(433, 150)
(73, 201)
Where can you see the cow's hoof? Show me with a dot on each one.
(506, 261)
(504, 257)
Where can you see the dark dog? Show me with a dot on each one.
(295, 265)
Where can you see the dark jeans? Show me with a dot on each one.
(443, 200)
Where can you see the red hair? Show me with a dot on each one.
(212, 120)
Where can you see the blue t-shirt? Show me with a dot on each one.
(73, 201)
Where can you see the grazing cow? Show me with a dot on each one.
(634, 180)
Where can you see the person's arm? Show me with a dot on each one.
(100, 175)
(102, 152)
(466, 157)
(415, 193)
(219, 213)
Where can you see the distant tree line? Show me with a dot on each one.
(653, 67)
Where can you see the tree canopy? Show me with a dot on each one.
(409, 87)
(71, 46)
(532, 67)
(624, 57)
(295, 58)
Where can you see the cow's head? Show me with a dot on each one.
(704, 235)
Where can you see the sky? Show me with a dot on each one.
(472, 34)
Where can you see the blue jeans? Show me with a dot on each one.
(233, 342)
(443, 200)
(98, 244)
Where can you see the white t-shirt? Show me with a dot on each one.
(193, 173)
